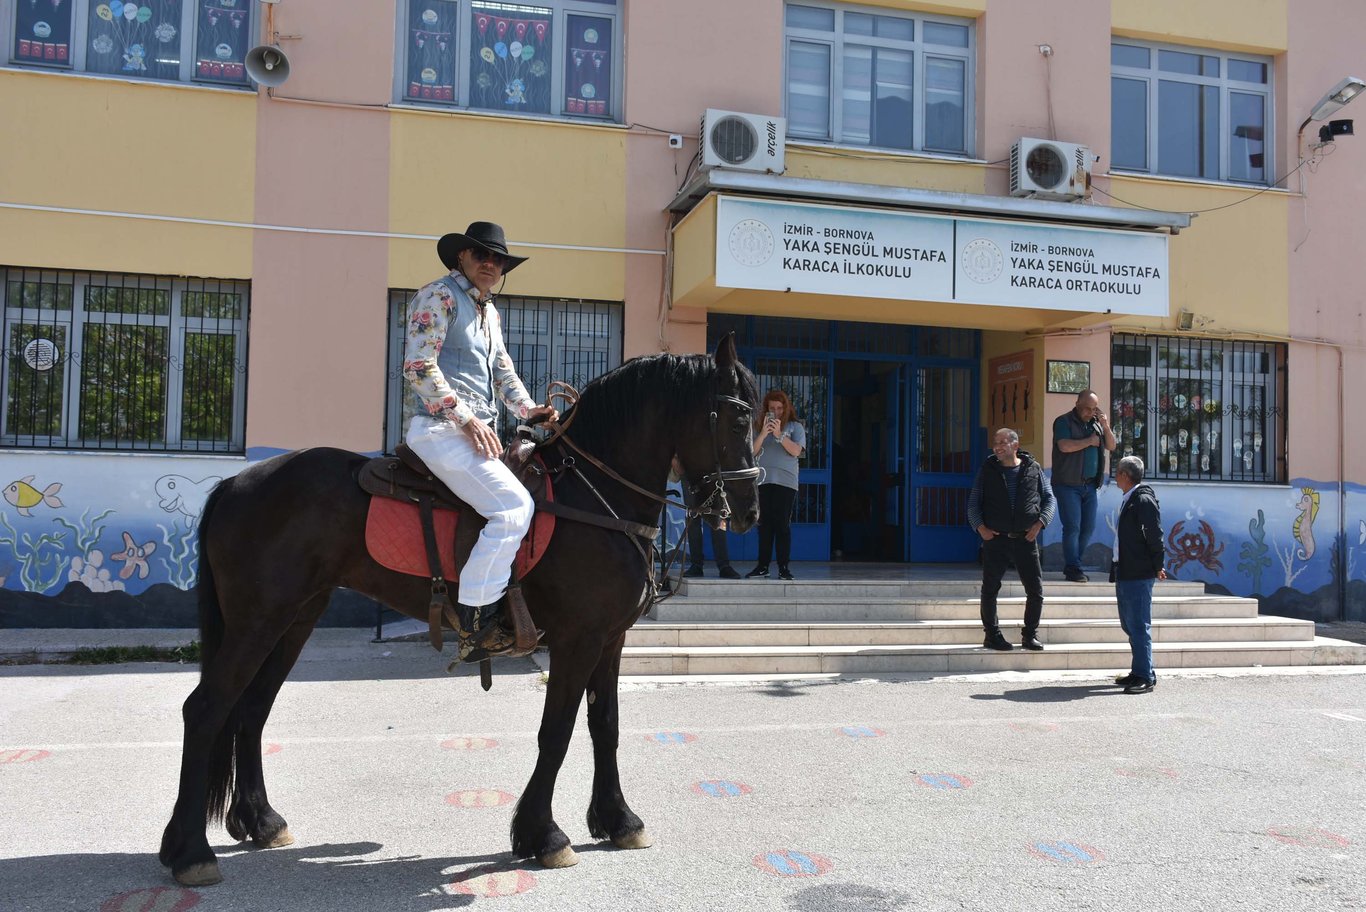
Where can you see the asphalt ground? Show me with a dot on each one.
(1004, 792)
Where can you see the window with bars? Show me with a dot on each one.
(548, 339)
(125, 362)
(1190, 112)
(554, 57)
(1200, 409)
(171, 40)
(880, 78)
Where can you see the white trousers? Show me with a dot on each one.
(487, 485)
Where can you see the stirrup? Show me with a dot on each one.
(489, 642)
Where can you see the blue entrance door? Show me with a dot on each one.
(890, 414)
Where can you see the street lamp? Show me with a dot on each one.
(1338, 96)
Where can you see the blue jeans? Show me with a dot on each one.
(1077, 507)
(1135, 599)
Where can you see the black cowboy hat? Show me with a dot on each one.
(486, 236)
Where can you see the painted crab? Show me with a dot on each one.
(1193, 547)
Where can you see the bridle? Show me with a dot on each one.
(717, 480)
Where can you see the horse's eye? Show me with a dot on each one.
(741, 426)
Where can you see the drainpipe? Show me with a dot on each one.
(1342, 489)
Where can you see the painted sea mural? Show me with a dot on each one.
(96, 540)
(1279, 544)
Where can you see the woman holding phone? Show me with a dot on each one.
(779, 439)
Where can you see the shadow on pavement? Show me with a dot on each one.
(1053, 694)
(329, 876)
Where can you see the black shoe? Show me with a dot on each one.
(1140, 687)
(1074, 575)
(1031, 642)
(727, 572)
(1126, 680)
(693, 572)
(785, 574)
(997, 642)
(760, 571)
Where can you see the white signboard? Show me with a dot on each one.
(875, 253)
(1022, 264)
(868, 253)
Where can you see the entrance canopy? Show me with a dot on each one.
(767, 245)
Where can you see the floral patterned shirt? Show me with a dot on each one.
(430, 314)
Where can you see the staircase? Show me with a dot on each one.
(884, 626)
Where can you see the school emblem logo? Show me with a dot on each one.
(751, 242)
(981, 260)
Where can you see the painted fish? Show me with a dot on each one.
(183, 495)
(23, 495)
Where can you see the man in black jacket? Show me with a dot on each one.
(1010, 503)
(1138, 564)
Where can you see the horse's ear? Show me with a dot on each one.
(725, 351)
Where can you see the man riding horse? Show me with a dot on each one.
(458, 367)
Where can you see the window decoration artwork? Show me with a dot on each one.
(431, 50)
(42, 32)
(223, 40)
(1069, 376)
(121, 39)
(588, 67)
(510, 58)
(1197, 409)
(168, 40)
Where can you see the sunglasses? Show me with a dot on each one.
(487, 256)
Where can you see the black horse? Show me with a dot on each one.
(279, 537)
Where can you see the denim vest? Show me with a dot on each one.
(467, 355)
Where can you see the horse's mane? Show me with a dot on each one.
(664, 385)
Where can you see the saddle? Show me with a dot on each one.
(405, 495)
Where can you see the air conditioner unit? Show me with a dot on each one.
(1045, 169)
(744, 142)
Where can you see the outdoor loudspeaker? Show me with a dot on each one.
(267, 65)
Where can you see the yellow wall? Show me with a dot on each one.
(1251, 25)
(1232, 265)
(449, 170)
(149, 148)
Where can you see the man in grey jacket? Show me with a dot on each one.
(1139, 556)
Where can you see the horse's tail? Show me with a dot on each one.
(211, 630)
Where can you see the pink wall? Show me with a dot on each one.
(1014, 82)
(1328, 270)
(677, 67)
(322, 295)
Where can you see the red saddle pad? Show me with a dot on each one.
(393, 536)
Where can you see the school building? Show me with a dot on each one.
(923, 220)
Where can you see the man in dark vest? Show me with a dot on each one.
(1010, 504)
(1079, 438)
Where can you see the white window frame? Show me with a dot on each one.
(80, 35)
(556, 325)
(177, 326)
(1151, 76)
(562, 10)
(918, 47)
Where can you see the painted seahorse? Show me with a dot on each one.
(1304, 523)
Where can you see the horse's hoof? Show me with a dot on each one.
(282, 838)
(638, 839)
(560, 858)
(203, 874)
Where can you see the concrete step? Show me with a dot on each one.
(815, 590)
(803, 608)
(1053, 631)
(947, 659)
